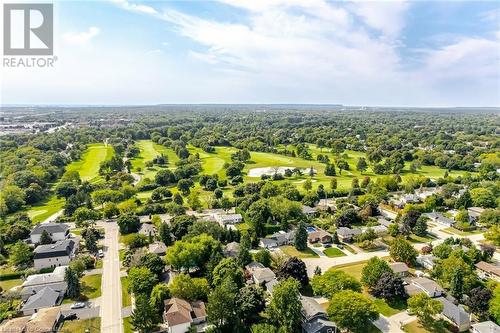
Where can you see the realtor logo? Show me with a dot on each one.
(28, 29)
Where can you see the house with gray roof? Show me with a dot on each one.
(36, 282)
(45, 298)
(232, 249)
(315, 318)
(53, 255)
(158, 248)
(309, 211)
(147, 229)
(347, 234)
(486, 327)
(427, 261)
(423, 284)
(56, 231)
(439, 218)
(277, 239)
(455, 314)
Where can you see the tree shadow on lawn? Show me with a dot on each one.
(436, 326)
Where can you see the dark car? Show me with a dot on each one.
(327, 245)
(71, 316)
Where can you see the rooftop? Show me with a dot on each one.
(59, 248)
(51, 228)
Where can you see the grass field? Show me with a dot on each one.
(455, 231)
(150, 150)
(88, 165)
(293, 252)
(126, 300)
(45, 209)
(439, 326)
(127, 325)
(80, 326)
(90, 287)
(8, 284)
(333, 252)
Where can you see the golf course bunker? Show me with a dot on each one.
(258, 172)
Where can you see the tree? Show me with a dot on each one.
(352, 310)
(483, 197)
(346, 218)
(45, 238)
(478, 301)
(495, 304)
(164, 234)
(193, 252)
(332, 282)
(230, 269)
(493, 234)
(221, 309)
(333, 184)
(184, 186)
(20, 254)
(188, 288)
(307, 185)
(90, 240)
(373, 271)
(244, 256)
(153, 262)
(194, 201)
(361, 165)
(264, 257)
(83, 214)
(73, 283)
(180, 225)
(424, 307)
(284, 308)
(128, 223)
(177, 198)
(420, 228)
(300, 241)
(457, 284)
(389, 286)
(250, 301)
(143, 316)
(157, 298)
(263, 328)
(464, 201)
(141, 280)
(330, 170)
(294, 268)
(110, 209)
(490, 217)
(402, 250)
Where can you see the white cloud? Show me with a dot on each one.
(133, 7)
(388, 17)
(81, 38)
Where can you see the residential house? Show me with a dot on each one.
(53, 255)
(315, 318)
(253, 266)
(232, 249)
(401, 201)
(439, 218)
(158, 248)
(488, 271)
(277, 239)
(383, 221)
(46, 320)
(45, 298)
(319, 235)
(324, 204)
(347, 235)
(56, 231)
(423, 284)
(455, 314)
(483, 327)
(427, 261)
(309, 211)
(400, 269)
(379, 229)
(426, 192)
(474, 214)
(389, 214)
(261, 276)
(225, 219)
(147, 229)
(180, 314)
(36, 282)
(270, 285)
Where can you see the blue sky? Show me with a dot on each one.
(297, 51)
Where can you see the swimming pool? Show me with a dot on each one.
(310, 229)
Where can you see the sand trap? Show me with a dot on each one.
(257, 172)
(303, 181)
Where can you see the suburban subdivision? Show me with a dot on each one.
(262, 219)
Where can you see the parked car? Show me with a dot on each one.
(100, 253)
(328, 245)
(71, 316)
(340, 246)
(78, 305)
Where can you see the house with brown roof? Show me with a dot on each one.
(45, 320)
(400, 269)
(488, 271)
(179, 314)
(319, 235)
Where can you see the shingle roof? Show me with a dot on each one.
(455, 313)
(51, 228)
(399, 267)
(46, 297)
(263, 274)
(489, 268)
(44, 320)
(310, 308)
(486, 327)
(343, 231)
(179, 311)
(157, 247)
(58, 249)
(56, 276)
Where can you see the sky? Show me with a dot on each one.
(391, 53)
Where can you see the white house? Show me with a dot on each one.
(180, 314)
(56, 231)
(36, 282)
(54, 255)
(224, 219)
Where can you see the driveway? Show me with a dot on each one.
(111, 309)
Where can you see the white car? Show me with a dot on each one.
(100, 253)
(79, 305)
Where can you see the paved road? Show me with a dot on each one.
(111, 308)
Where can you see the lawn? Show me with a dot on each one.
(45, 209)
(353, 270)
(439, 326)
(127, 325)
(293, 252)
(88, 165)
(8, 284)
(90, 287)
(389, 309)
(79, 326)
(150, 150)
(419, 239)
(126, 300)
(333, 252)
(455, 231)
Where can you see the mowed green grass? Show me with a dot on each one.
(80, 326)
(88, 165)
(150, 150)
